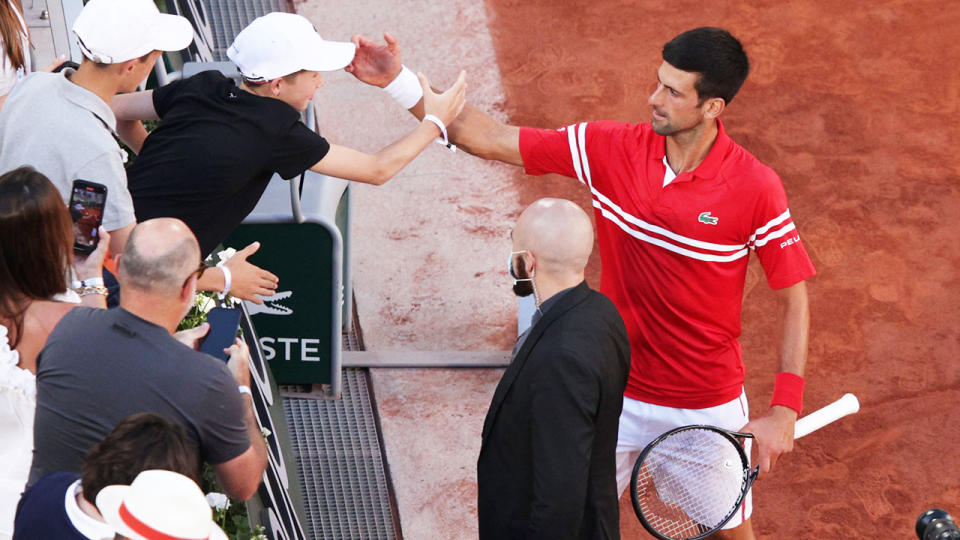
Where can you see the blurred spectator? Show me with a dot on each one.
(63, 505)
(34, 270)
(100, 366)
(61, 123)
(15, 61)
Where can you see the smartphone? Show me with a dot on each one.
(224, 323)
(86, 209)
(67, 65)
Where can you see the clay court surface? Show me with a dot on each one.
(854, 104)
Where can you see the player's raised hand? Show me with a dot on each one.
(375, 63)
(774, 435)
(445, 106)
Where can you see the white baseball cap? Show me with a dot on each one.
(279, 44)
(158, 504)
(114, 31)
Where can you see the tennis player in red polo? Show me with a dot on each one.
(679, 207)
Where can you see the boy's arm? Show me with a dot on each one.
(130, 109)
(132, 133)
(349, 164)
(376, 169)
(134, 106)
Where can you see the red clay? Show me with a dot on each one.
(855, 107)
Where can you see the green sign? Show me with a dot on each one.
(298, 327)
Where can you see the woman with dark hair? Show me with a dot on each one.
(36, 262)
(15, 48)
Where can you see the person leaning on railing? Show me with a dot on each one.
(218, 144)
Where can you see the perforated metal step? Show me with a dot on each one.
(228, 17)
(340, 464)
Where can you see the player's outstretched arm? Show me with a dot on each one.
(774, 430)
(379, 64)
(349, 164)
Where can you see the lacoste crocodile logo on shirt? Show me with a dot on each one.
(705, 217)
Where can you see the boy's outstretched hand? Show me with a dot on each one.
(447, 105)
(374, 63)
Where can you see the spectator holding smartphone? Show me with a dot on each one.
(128, 359)
(61, 123)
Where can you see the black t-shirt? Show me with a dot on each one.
(214, 152)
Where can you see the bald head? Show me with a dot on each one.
(558, 232)
(159, 256)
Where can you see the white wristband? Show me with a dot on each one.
(405, 88)
(93, 282)
(244, 389)
(443, 129)
(227, 280)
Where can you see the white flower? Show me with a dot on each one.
(204, 303)
(225, 255)
(218, 501)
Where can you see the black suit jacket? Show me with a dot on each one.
(547, 466)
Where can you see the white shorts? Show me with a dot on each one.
(641, 423)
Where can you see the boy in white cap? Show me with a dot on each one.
(218, 145)
(61, 123)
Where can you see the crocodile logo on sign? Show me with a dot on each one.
(705, 217)
(271, 305)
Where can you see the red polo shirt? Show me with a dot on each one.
(675, 257)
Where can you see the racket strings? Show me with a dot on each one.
(690, 483)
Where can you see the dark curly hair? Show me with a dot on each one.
(141, 442)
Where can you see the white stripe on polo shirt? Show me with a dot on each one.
(571, 134)
(770, 224)
(576, 136)
(774, 235)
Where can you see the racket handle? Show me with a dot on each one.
(848, 404)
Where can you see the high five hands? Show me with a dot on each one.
(378, 64)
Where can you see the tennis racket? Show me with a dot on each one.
(690, 481)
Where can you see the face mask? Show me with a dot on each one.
(522, 285)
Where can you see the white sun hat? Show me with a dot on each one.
(159, 504)
(279, 44)
(114, 31)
